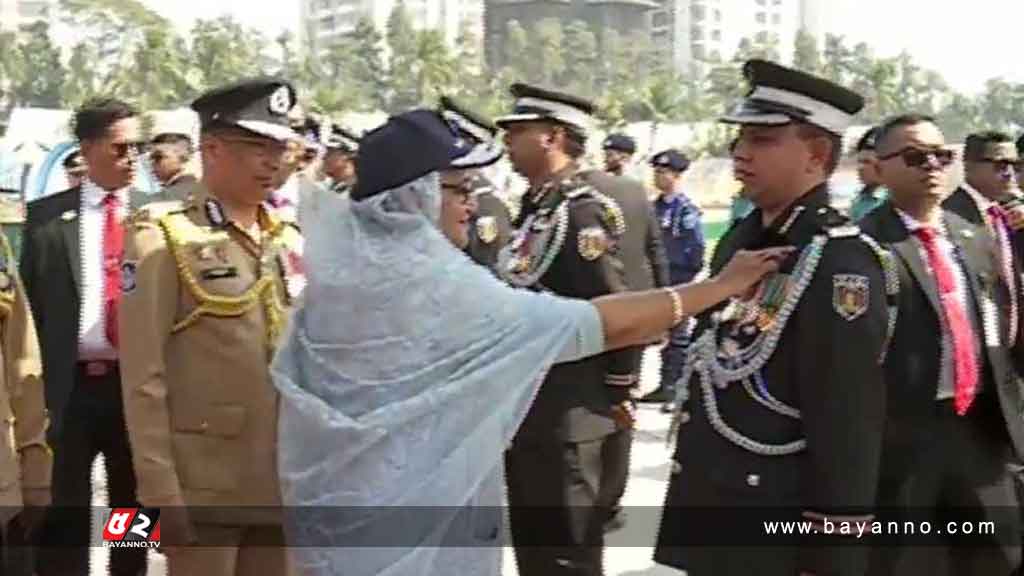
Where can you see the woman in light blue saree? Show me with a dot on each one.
(408, 368)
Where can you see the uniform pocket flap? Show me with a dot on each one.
(226, 420)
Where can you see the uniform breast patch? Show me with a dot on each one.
(487, 229)
(128, 270)
(850, 295)
(593, 243)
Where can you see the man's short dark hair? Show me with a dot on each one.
(810, 131)
(867, 141)
(575, 140)
(977, 144)
(95, 117)
(886, 129)
(181, 142)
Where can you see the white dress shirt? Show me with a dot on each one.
(92, 334)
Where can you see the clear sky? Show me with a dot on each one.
(967, 41)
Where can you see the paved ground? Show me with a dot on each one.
(628, 552)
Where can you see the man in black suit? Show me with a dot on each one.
(169, 154)
(953, 407)
(71, 267)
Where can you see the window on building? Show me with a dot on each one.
(718, 15)
(776, 19)
(716, 56)
(327, 22)
(716, 35)
(761, 18)
(761, 37)
(697, 12)
(660, 19)
(776, 2)
(761, 2)
(697, 33)
(698, 51)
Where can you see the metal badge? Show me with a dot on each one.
(487, 229)
(215, 213)
(5, 281)
(592, 243)
(128, 270)
(850, 295)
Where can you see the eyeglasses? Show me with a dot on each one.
(462, 188)
(915, 157)
(122, 149)
(1001, 164)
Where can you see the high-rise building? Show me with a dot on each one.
(623, 16)
(324, 21)
(701, 32)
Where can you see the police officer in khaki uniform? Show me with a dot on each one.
(207, 284)
(26, 461)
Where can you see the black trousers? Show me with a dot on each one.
(16, 552)
(556, 520)
(93, 424)
(615, 453)
(960, 475)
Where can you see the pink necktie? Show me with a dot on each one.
(965, 368)
(997, 217)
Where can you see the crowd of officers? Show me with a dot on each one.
(878, 371)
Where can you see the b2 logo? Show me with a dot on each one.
(139, 526)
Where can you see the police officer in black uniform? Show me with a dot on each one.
(491, 226)
(566, 242)
(785, 407)
(339, 164)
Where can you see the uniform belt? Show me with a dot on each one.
(98, 368)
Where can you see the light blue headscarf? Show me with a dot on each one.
(403, 378)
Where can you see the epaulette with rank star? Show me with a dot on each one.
(611, 211)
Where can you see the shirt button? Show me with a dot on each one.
(753, 480)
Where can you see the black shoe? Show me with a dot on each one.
(657, 395)
(617, 521)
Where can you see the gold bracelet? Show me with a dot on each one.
(677, 306)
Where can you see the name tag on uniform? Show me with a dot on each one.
(219, 273)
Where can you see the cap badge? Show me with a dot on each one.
(280, 101)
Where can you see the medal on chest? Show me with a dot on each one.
(293, 272)
(533, 248)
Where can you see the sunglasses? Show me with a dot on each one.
(1001, 164)
(122, 149)
(916, 158)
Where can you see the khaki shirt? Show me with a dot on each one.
(202, 308)
(25, 459)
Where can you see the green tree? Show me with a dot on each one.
(517, 51)
(82, 82)
(10, 68)
(837, 59)
(402, 43)
(41, 72)
(224, 51)
(547, 62)
(581, 59)
(435, 67)
(158, 76)
(806, 55)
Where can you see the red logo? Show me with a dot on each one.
(132, 528)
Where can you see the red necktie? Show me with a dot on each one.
(965, 368)
(113, 248)
(997, 217)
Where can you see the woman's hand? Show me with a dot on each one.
(747, 268)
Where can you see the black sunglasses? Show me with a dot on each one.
(122, 149)
(915, 157)
(1001, 164)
